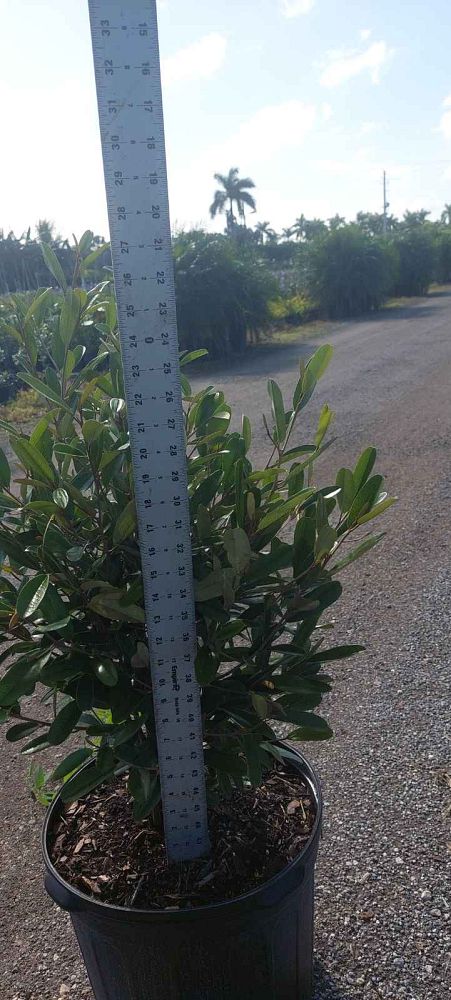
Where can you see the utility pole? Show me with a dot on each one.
(386, 204)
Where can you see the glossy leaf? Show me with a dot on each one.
(53, 265)
(31, 595)
(62, 726)
(71, 763)
(278, 409)
(206, 666)
(125, 524)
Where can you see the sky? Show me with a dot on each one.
(313, 99)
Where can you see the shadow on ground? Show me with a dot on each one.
(325, 987)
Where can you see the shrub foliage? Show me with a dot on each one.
(269, 545)
(348, 272)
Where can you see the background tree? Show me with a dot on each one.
(45, 233)
(372, 223)
(336, 222)
(234, 191)
(411, 220)
(264, 233)
(445, 217)
(349, 273)
(416, 248)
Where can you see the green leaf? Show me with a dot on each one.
(257, 760)
(319, 362)
(246, 431)
(36, 745)
(23, 729)
(74, 554)
(356, 553)
(53, 265)
(327, 536)
(64, 724)
(312, 727)
(379, 508)
(122, 734)
(44, 390)
(284, 509)
(86, 780)
(92, 430)
(71, 763)
(260, 705)
(61, 498)
(365, 498)
(106, 673)
(42, 426)
(364, 467)
(5, 471)
(345, 482)
(238, 549)
(32, 459)
(213, 585)
(20, 679)
(303, 449)
(278, 410)
(16, 551)
(69, 316)
(144, 787)
(188, 357)
(125, 524)
(37, 309)
(31, 594)
(325, 420)
(231, 629)
(335, 653)
(292, 684)
(117, 405)
(304, 544)
(206, 666)
(107, 605)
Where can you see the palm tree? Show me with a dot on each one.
(336, 222)
(45, 232)
(298, 228)
(446, 215)
(287, 233)
(234, 192)
(263, 231)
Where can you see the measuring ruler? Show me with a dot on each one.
(127, 70)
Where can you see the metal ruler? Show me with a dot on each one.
(127, 70)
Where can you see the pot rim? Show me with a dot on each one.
(227, 906)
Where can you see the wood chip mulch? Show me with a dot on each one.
(98, 848)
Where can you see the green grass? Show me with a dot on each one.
(26, 408)
(292, 334)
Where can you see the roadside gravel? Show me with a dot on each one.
(383, 924)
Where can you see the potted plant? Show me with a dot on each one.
(268, 548)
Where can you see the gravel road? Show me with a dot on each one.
(383, 925)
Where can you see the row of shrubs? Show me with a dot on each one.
(223, 298)
(228, 291)
(348, 273)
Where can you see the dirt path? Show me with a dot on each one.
(383, 918)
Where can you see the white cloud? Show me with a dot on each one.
(326, 112)
(272, 128)
(343, 66)
(365, 34)
(445, 121)
(198, 61)
(293, 8)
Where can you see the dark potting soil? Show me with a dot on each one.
(98, 848)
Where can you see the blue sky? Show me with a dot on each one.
(311, 98)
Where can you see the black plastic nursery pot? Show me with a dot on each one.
(257, 945)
